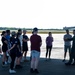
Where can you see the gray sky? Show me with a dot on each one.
(37, 13)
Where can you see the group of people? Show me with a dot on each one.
(15, 46)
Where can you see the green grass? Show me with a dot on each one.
(44, 31)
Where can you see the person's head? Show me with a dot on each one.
(67, 31)
(20, 31)
(8, 32)
(50, 34)
(3, 33)
(13, 34)
(35, 30)
(74, 32)
(18, 35)
(24, 31)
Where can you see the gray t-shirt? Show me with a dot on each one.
(67, 36)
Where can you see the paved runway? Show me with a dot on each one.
(55, 66)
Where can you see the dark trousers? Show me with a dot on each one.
(72, 57)
(13, 56)
(48, 49)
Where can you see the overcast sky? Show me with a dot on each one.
(37, 13)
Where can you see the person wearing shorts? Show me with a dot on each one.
(67, 44)
(18, 53)
(25, 45)
(36, 42)
(4, 47)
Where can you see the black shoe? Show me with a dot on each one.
(18, 67)
(67, 64)
(73, 64)
(63, 60)
(36, 71)
(31, 70)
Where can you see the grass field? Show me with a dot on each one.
(44, 31)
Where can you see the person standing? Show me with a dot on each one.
(36, 43)
(18, 53)
(72, 54)
(8, 39)
(12, 51)
(21, 37)
(25, 44)
(4, 47)
(49, 41)
(67, 44)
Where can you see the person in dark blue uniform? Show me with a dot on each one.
(12, 52)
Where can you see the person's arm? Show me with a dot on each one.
(52, 39)
(40, 41)
(12, 47)
(6, 41)
(46, 40)
(25, 40)
(70, 39)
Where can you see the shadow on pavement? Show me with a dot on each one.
(49, 67)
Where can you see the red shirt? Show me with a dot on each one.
(35, 42)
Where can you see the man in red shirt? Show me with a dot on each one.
(36, 42)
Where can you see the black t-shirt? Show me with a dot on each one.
(5, 45)
(12, 42)
(25, 43)
(18, 44)
(3, 41)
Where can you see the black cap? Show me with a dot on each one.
(13, 33)
(35, 29)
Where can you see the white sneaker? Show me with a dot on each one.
(6, 63)
(12, 71)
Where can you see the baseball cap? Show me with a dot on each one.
(13, 33)
(35, 29)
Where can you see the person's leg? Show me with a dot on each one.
(71, 59)
(50, 48)
(69, 51)
(12, 61)
(25, 55)
(33, 59)
(4, 58)
(11, 70)
(46, 51)
(18, 64)
(37, 55)
(32, 65)
(25, 49)
(65, 51)
(18, 60)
